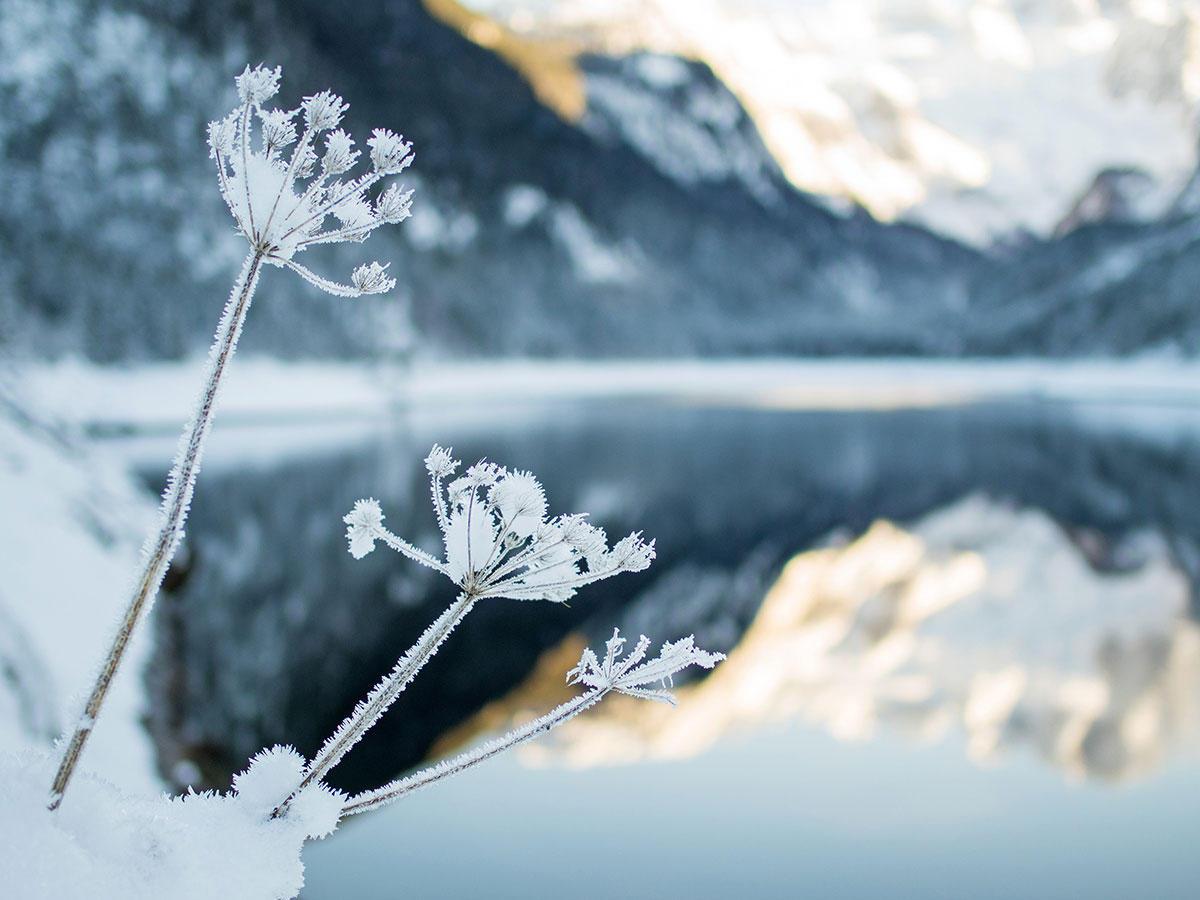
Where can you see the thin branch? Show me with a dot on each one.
(369, 800)
(289, 177)
(173, 513)
(416, 554)
(367, 712)
(246, 168)
(329, 287)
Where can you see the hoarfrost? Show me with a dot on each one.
(498, 540)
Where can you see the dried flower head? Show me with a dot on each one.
(363, 522)
(498, 540)
(284, 205)
(632, 676)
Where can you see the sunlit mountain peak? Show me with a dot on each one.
(977, 118)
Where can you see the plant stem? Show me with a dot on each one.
(369, 800)
(367, 712)
(177, 498)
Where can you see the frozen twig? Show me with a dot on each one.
(628, 676)
(159, 549)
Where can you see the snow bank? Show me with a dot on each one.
(108, 845)
(71, 531)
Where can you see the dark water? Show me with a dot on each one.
(272, 632)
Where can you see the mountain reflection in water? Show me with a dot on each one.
(979, 617)
(1021, 575)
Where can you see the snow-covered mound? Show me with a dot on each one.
(105, 844)
(975, 117)
(71, 531)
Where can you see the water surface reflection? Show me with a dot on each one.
(1028, 587)
(979, 618)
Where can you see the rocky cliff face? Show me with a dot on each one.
(617, 206)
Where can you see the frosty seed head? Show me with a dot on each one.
(278, 131)
(221, 134)
(340, 155)
(284, 205)
(631, 554)
(323, 111)
(258, 85)
(394, 205)
(634, 677)
(498, 540)
(372, 279)
(482, 474)
(440, 462)
(363, 524)
(390, 153)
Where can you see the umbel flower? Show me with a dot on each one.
(499, 543)
(633, 675)
(498, 540)
(284, 205)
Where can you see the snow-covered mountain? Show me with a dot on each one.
(977, 118)
(567, 204)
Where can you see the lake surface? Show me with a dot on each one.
(964, 660)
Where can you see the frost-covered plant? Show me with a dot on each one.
(281, 206)
(629, 676)
(498, 543)
(206, 845)
(284, 206)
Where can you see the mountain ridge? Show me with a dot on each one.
(658, 224)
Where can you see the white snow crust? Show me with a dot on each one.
(106, 844)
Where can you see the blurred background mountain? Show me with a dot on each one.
(624, 179)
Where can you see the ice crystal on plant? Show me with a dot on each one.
(497, 538)
(284, 205)
(364, 521)
(372, 278)
(631, 675)
(627, 676)
(258, 84)
(440, 462)
(323, 111)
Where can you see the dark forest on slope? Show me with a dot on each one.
(653, 222)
